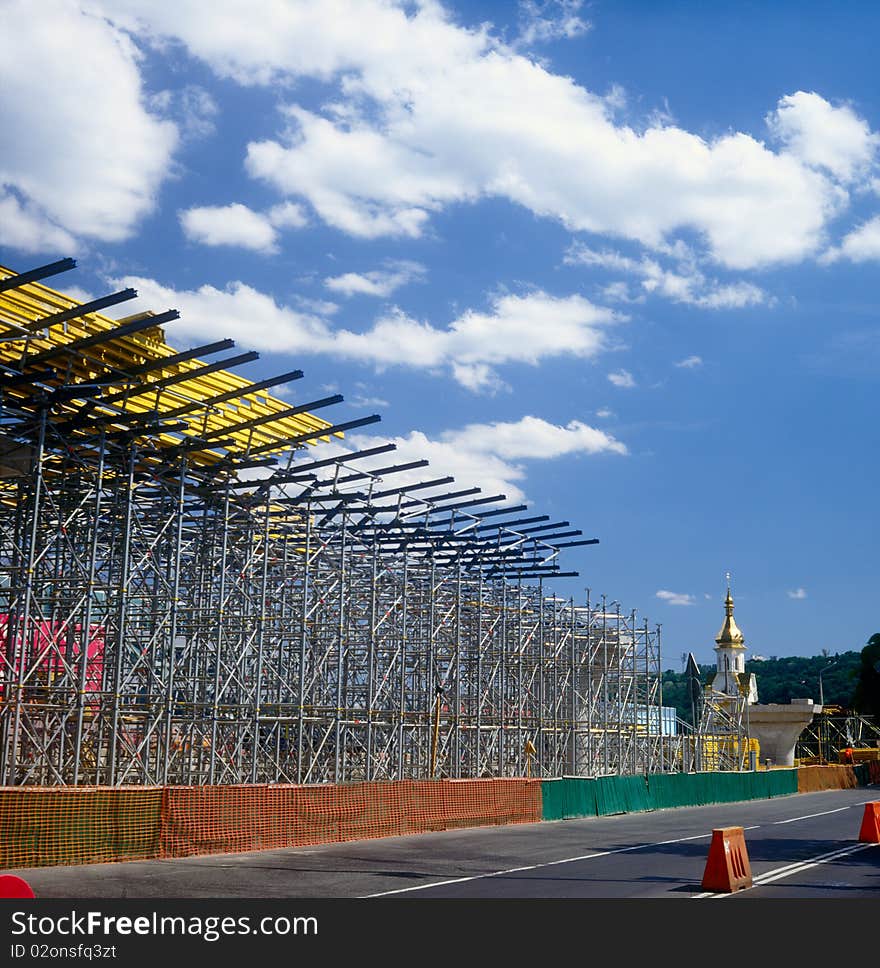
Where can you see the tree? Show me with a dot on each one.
(867, 695)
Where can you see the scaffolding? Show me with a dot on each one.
(835, 729)
(722, 741)
(191, 594)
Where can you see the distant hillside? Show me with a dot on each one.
(780, 680)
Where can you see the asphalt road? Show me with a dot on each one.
(799, 846)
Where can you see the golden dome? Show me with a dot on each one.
(730, 635)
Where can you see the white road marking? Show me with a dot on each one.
(811, 815)
(792, 868)
(552, 863)
(780, 872)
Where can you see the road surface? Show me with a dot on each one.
(799, 846)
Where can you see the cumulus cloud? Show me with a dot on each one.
(860, 245)
(25, 227)
(235, 225)
(240, 226)
(824, 136)
(378, 282)
(87, 156)
(798, 593)
(492, 456)
(622, 378)
(690, 362)
(675, 598)
(517, 329)
(440, 114)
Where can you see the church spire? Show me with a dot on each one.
(730, 635)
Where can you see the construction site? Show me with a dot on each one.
(201, 585)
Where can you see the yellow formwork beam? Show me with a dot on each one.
(24, 306)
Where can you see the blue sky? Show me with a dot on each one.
(615, 260)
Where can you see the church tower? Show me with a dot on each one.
(730, 651)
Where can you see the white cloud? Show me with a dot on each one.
(622, 378)
(690, 362)
(361, 401)
(234, 224)
(288, 215)
(379, 282)
(238, 225)
(23, 226)
(541, 22)
(686, 285)
(860, 245)
(604, 413)
(491, 456)
(518, 329)
(798, 593)
(676, 598)
(193, 107)
(478, 377)
(437, 114)
(619, 292)
(87, 157)
(824, 136)
(317, 307)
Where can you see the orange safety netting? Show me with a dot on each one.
(44, 826)
(833, 777)
(205, 820)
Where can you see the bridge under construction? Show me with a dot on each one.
(200, 584)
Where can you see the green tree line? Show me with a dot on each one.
(852, 681)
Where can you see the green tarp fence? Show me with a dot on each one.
(598, 797)
(621, 794)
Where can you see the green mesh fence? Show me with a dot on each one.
(587, 797)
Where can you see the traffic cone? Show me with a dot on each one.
(727, 866)
(12, 886)
(871, 823)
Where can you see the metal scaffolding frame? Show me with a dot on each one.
(722, 741)
(189, 594)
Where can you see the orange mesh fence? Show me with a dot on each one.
(207, 820)
(874, 772)
(41, 826)
(813, 778)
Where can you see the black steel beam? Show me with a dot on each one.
(183, 376)
(292, 476)
(406, 488)
(162, 362)
(269, 417)
(483, 514)
(510, 524)
(451, 495)
(234, 394)
(292, 442)
(82, 310)
(126, 329)
(34, 275)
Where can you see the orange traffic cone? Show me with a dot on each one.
(727, 866)
(871, 823)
